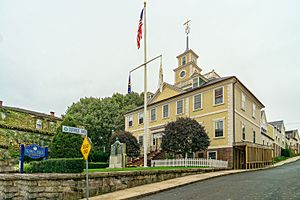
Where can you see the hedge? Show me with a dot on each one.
(59, 165)
(98, 165)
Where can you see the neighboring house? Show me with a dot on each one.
(19, 126)
(279, 136)
(293, 140)
(267, 137)
(229, 111)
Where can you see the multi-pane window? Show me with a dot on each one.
(243, 101)
(141, 140)
(153, 114)
(195, 82)
(212, 155)
(130, 120)
(197, 101)
(165, 111)
(254, 137)
(219, 128)
(218, 95)
(141, 117)
(243, 132)
(39, 124)
(183, 60)
(52, 125)
(179, 107)
(253, 110)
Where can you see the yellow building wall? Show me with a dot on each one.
(245, 116)
(205, 116)
(166, 93)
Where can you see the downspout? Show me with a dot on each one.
(233, 109)
(233, 122)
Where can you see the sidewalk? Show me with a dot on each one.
(148, 189)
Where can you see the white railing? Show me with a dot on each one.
(190, 162)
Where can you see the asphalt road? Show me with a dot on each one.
(270, 184)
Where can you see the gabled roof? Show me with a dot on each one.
(158, 92)
(38, 114)
(209, 83)
(277, 123)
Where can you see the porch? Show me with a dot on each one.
(247, 155)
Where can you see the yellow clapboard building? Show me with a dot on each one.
(229, 111)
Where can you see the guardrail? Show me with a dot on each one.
(190, 162)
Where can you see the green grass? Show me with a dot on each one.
(139, 169)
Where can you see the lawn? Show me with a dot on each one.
(139, 168)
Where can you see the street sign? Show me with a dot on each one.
(69, 129)
(86, 148)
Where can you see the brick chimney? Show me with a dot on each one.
(1, 104)
(52, 114)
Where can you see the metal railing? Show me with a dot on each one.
(190, 162)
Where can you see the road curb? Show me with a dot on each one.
(291, 160)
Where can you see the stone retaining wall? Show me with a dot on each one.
(72, 186)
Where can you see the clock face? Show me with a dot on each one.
(182, 74)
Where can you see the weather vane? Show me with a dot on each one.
(187, 31)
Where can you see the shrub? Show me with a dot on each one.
(98, 156)
(279, 158)
(286, 152)
(98, 165)
(66, 145)
(61, 165)
(132, 145)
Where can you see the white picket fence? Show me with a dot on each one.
(190, 162)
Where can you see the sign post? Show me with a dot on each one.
(33, 151)
(85, 150)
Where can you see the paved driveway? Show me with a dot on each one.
(276, 183)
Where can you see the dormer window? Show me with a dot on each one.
(39, 124)
(183, 60)
(197, 82)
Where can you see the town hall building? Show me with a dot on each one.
(229, 111)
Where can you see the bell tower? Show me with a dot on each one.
(187, 64)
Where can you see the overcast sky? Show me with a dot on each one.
(52, 53)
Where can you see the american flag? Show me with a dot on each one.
(140, 31)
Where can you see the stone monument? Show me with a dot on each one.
(117, 157)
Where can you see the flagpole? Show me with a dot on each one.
(145, 91)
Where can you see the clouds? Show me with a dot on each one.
(54, 52)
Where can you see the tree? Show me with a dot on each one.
(184, 135)
(66, 145)
(101, 116)
(132, 145)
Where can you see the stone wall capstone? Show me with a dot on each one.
(72, 186)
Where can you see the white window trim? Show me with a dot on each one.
(214, 133)
(214, 96)
(151, 114)
(243, 124)
(142, 140)
(197, 82)
(243, 106)
(194, 102)
(162, 111)
(212, 152)
(185, 58)
(139, 114)
(182, 107)
(254, 110)
(184, 74)
(130, 116)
